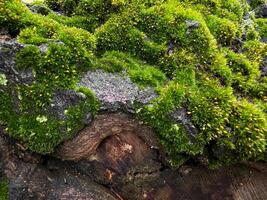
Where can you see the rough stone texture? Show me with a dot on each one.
(263, 67)
(261, 11)
(192, 24)
(8, 50)
(62, 100)
(39, 9)
(182, 117)
(115, 91)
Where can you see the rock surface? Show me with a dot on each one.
(115, 91)
(181, 116)
(263, 67)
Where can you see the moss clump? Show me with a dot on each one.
(224, 30)
(25, 57)
(140, 72)
(188, 50)
(262, 26)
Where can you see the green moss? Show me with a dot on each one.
(255, 50)
(262, 26)
(88, 23)
(249, 127)
(99, 8)
(245, 73)
(224, 30)
(147, 75)
(255, 3)
(11, 13)
(40, 7)
(179, 59)
(3, 190)
(28, 57)
(3, 80)
(140, 72)
(53, 4)
(31, 36)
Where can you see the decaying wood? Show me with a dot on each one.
(116, 158)
(114, 127)
(116, 148)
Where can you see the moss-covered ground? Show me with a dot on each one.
(201, 55)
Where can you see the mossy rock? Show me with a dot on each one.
(202, 60)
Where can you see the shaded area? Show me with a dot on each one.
(123, 162)
(42, 178)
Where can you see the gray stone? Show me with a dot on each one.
(192, 24)
(19, 192)
(43, 48)
(261, 11)
(182, 117)
(39, 9)
(263, 67)
(116, 91)
(62, 100)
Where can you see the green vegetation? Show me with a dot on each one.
(187, 50)
(3, 190)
